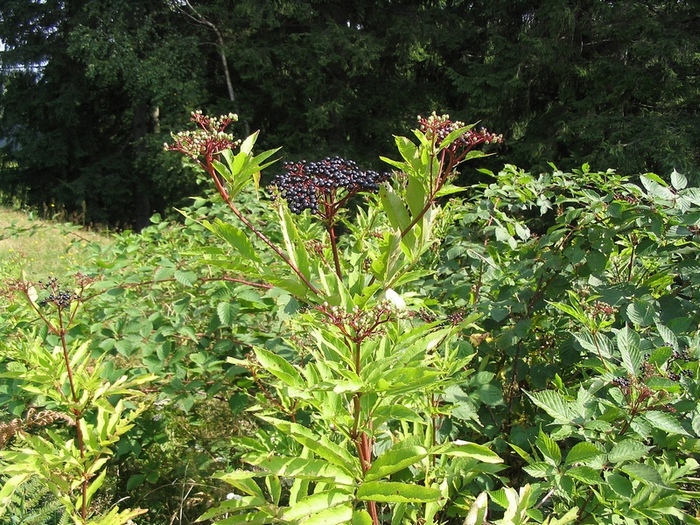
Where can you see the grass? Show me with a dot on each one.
(34, 249)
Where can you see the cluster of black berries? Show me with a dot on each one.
(622, 382)
(681, 355)
(60, 298)
(306, 185)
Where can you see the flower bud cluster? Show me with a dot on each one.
(438, 127)
(209, 140)
(306, 185)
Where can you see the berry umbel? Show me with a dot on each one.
(325, 185)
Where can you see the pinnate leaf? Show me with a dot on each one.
(395, 492)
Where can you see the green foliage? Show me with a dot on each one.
(520, 351)
(34, 504)
(585, 283)
(63, 383)
(350, 407)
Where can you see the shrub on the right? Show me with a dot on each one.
(588, 361)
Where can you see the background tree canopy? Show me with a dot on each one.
(92, 88)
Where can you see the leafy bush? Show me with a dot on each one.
(370, 348)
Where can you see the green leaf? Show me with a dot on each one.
(641, 313)
(415, 195)
(586, 474)
(134, 481)
(540, 469)
(280, 368)
(10, 485)
(320, 445)
(397, 458)
(235, 237)
(582, 452)
(678, 180)
(490, 394)
(644, 473)
(93, 486)
(397, 413)
(665, 421)
(361, 517)
(395, 492)
(627, 450)
(463, 449)
(554, 404)
(656, 186)
(394, 208)
(233, 505)
(312, 469)
(185, 278)
(620, 484)
(667, 335)
(628, 343)
(225, 312)
(478, 510)
(312, 505)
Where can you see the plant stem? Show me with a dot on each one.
(76, 411)
(209, 168)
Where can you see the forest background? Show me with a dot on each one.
(90, 90)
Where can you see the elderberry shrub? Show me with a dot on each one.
(315, 185)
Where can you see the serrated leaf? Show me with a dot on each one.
(667, 335)
(620, 484)
(395, 492)
(628, 343)
(233, 505)
(540, 469)
(243, 481)
(656, 186)
(644, 473)
(225, 313)
(235, 237)
(311, 505)
(582, 452)
(312, 469)
(678, 180)
(554, 404)
(320, 445)
(627, 450)
(585, 474)
(185, 277)
(394, 208)
(549, 448)
(641, 313)
(395, 459)
(696, 423)
(464, 449)
(280, 368)
(665, 421)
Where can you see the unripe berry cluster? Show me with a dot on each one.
(307, 185)
(438, 127)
